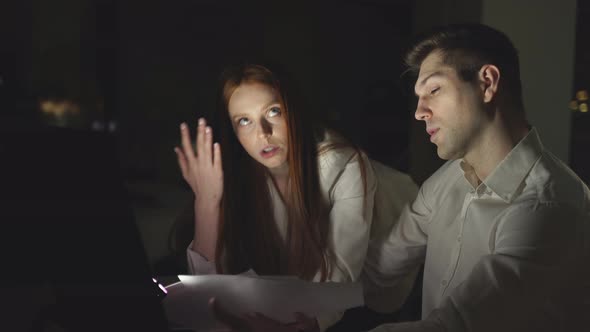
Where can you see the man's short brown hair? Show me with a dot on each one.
(466, 48)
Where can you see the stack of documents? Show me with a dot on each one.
(186, 304)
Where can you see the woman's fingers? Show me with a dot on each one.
(208, 148)
(187, 147)
(200, 140)
(182, 163)
(204, 143)
(217, 157)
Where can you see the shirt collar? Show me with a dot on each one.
(511, 172)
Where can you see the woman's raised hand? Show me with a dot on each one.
(201, 165)
(201, 168)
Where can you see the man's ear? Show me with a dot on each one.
(489, 77)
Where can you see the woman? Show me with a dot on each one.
(276, 195)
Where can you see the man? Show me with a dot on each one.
(502, 227)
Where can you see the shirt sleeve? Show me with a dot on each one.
(350, 220)
(395, 190)
(350, 223)
(197, 264)
(516, 288)
(398, 254)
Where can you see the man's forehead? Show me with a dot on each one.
(432, 66)
(432, 63)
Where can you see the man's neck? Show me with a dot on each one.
(494, 143)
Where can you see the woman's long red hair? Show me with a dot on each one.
(248, 234)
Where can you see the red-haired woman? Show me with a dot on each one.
(275, 195)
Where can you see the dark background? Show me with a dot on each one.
(136, 69)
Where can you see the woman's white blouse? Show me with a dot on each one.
(351, 215)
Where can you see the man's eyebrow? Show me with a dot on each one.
(433, 74)
(436, 73)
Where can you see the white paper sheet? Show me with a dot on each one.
(186, 304)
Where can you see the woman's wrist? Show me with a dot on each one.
(206, 224)
(207, 205)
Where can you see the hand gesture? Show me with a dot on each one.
(201, 170)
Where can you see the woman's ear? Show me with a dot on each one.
(489, 77)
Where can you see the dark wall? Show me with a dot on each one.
(580, 139)
(148, 65)
(344, 55)
(15, 53)
(169, 57)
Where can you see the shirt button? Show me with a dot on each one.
(444, 283)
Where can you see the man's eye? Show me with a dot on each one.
(243, 122)
(434, 91)
(274, 111)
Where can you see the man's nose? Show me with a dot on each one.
(422, 111)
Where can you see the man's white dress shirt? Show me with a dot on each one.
(509, 253)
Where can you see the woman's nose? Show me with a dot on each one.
(265, 128)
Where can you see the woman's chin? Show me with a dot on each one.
(275, 165)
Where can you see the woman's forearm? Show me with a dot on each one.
(206, 229)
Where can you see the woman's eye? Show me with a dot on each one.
(274, 111)
(434, 91)
(243, 122)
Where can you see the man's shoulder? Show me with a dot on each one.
(446, 182)
(551, 181)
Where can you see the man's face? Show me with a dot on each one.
(451, 108)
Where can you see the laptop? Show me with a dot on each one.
(71, 255)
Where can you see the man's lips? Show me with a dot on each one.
(432, 131)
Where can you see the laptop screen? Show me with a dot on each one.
(67, 227)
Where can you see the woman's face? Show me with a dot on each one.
(260, 125)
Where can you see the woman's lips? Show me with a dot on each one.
(269, 151)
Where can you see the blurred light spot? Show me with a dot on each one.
(112, 126)
(582, 95)
(573, 105)
(97, 125)
(59, 108)
(583, 107)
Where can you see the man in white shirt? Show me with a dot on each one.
(503, 226)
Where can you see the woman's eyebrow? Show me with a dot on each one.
(274, 101)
